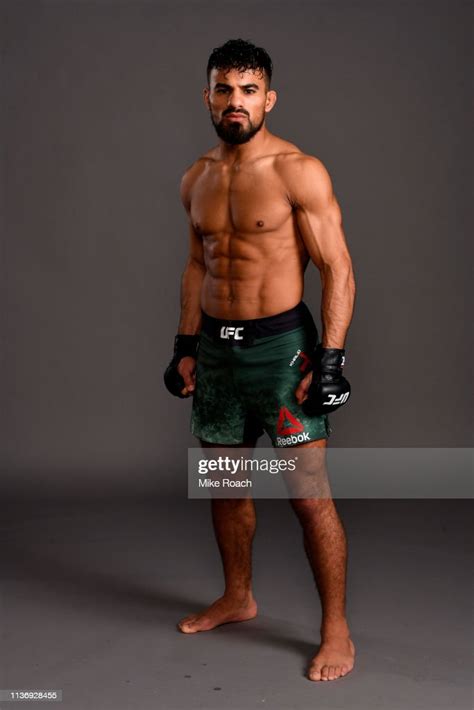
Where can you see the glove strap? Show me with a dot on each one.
(185, 346)
(329, 360)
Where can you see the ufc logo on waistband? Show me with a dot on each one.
(228, 331)
(337, 400)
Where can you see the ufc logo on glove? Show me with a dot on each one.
(333, 399)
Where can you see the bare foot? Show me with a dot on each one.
(223, 611)
(334, 659)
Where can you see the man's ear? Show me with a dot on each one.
(270, 101)
(205, 96)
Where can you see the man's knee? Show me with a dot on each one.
(312, 509)
(307, 478)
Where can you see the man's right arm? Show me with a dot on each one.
(195, 269)
(180, 375)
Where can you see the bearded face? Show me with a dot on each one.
(237, 104)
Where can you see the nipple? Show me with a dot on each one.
(260, 223)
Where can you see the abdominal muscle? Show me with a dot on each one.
(245, 281)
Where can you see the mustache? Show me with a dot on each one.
(232, 110)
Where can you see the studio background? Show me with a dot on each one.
(102, 552)
(102, 113)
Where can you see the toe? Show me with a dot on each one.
(331, 673)
(324, 672)
(315, 673)
(186, 625)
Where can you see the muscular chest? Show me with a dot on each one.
(239, 200)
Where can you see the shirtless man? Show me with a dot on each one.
(259, 210)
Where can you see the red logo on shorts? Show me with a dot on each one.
(287, 423)
(306, 361)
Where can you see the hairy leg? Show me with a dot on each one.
(234, 522)
(326, 548)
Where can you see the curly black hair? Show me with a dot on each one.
(241, 55)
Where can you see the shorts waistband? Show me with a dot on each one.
(244, 332)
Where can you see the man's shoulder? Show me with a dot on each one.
(294, 163)
(305, 176)
(200, 164)
(193, 170)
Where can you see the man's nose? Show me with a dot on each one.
(234, 102)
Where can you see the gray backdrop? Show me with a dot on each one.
(102, 113)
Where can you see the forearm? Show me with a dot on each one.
(337, 303)
(191, 288)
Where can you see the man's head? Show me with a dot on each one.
(238, 94)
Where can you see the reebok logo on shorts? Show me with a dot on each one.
(293, 439)
(289, 428)
(287, 423)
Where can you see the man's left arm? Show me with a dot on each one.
(319, 221)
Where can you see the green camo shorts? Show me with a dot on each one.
(243, 391)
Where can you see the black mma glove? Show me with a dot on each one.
(184, 346)
(328, 390)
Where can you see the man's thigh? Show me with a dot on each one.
(218, 414)
(268, 375)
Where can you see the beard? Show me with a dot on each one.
(235, 132)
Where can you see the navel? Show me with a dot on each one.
(260, 223)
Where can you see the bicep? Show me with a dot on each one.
(321, 230)
(318, 215)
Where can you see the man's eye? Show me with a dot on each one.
(249, 91)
